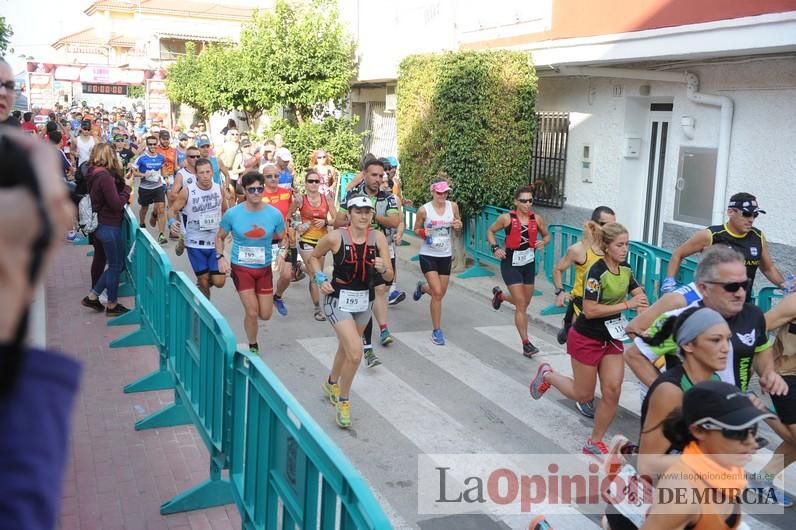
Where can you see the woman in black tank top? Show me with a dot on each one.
(703, 337)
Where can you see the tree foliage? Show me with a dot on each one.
(5, 35)
(334, 135)
(299, 57)
(471, 115)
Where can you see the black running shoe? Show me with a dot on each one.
(116, 310)
(562, 335)
(96, 305)
(529, 350)
(497, 298)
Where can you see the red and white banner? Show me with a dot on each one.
(158, 106)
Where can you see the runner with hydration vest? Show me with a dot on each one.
(517, 265)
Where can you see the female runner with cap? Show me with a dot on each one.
(717, 428)
(434, 223)
(359, 255)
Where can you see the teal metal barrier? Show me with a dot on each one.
(662, 258)
(150, 268)
(201, 346)
(409, 226)
(284, 468)
(129, 227)
(767, 296)
(345, 180)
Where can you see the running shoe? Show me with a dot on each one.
(96, 305)
(396, 297)
(586, 408)
(343, 413)
(385, 337)
(332, 391)
(180, 248)
(538, 385)
(162, 239)
(616, 457)
(298, 272)
(561, 337)
(71, 235)
(497, 297)
(539, 523)
(418, 294)
(370, 358)
(254, 348)
(529, 350)
(281, 308)
(116, 310)
(593, 448)
(437, 337)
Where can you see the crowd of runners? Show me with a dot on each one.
(239, 210)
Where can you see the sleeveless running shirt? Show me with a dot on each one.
(520, 239)
(580, 276)
(84, 149)
(310, 213)
(354, 264)
(438, 231)
(203, 210)
(750, 245)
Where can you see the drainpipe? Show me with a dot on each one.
(693, 94)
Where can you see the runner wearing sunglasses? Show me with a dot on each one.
(518, 261)
(737, 233)
(718, 428)
(253, 225)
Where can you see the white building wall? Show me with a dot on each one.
(761, 152)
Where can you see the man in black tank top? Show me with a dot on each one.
(738, 233)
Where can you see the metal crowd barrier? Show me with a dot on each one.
(284, 471)
(149, 267)
(279, 454)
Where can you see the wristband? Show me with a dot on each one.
(494, 248)
(219, 256)
(320, 277)
(421, 232)
(558, 291)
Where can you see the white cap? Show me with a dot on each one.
(284, 154)
(358, 201)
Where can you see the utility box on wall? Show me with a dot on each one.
(587, 163)
(632, 148)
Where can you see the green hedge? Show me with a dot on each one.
(471, 115)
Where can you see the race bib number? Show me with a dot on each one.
(629, 494)
(616, 327)
(522, 257)
(440, 239)
(153, 176)
(353, 301)
(209, 221)
(251, 255)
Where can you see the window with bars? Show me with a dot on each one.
(549, 158)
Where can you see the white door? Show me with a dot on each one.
(658, 130)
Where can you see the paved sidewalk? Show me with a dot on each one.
(117, 477)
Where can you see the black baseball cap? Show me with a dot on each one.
(722, 405)
(746, 202)
(164, 134)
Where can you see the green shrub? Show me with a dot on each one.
(471, 115)
(334, 135)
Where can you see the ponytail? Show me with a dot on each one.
(676, 430)
(592, 235)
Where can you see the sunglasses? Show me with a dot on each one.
(194, 156)
(271, 176)
(749, 214)
(313, 181)
(525, 201)
(151, 145)
(738, 435)
(732, 287)
(255, 189)
(9, 85)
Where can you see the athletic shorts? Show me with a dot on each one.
(440, 265)
(203, 260)
(379, 279)
(513, 275)
(335, 315)
(307, 246)
(247, 279)
(147, 197)
(786, 405)
(591, 351)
